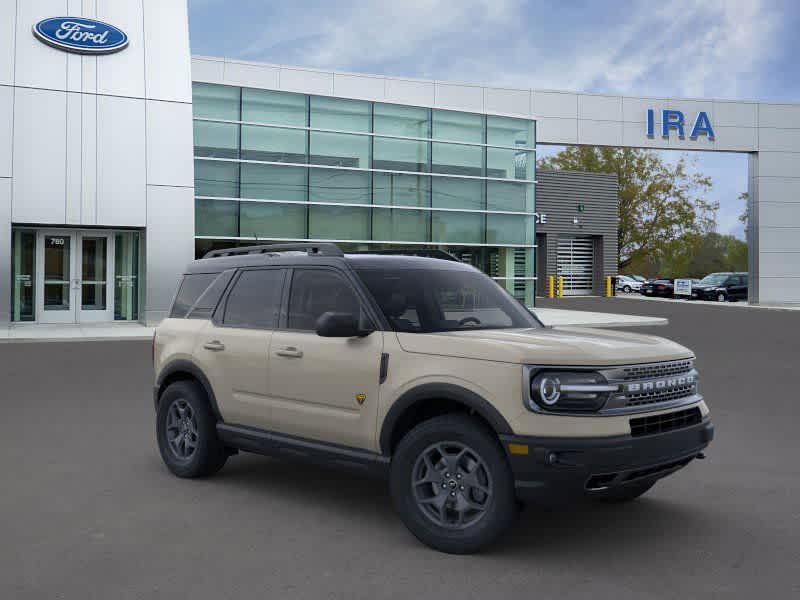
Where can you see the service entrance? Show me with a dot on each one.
(576, 264)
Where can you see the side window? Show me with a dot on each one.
(191, 287)
(207, 302)
(255, 299)
(317, 291)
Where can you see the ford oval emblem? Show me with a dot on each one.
(84, 36)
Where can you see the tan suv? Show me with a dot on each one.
(421, 370)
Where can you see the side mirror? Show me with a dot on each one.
(338, 324)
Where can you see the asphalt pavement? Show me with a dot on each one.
(89, 511)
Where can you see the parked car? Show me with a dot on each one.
(663, 288)
(421, 371)
(627, 284)
(722, 287)
(639, 278)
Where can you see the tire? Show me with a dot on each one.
(467, 518)
(721, 297)
(183, 409)
(627, 289)
(622, 494)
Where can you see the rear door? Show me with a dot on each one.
(233, 348)
(324, 388)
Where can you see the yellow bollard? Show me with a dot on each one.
(551, 287)
(561, 286)
(608, 287)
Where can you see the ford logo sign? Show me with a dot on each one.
(84, 36)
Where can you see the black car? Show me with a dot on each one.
(663, 288)
(721, 287)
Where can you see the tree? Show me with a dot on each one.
(659, 202)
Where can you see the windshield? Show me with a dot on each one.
(436, 300)
(714, 279)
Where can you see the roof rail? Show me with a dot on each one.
(423, 252)
(313, 249)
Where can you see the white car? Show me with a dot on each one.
(627, 284)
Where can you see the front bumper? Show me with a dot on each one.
(559, 468)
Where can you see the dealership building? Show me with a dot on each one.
(122, 157)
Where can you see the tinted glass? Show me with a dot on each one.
(216, 178)
(401, 190)
(400, 155)
(255, 299)
(216, 217)
(215, 101)
(273, 144)
(507, 131)
(220, 140)
(316, 291)
(434, 300)
(339, 149)
(400, 225)
(406, 121)
(338, 223)
(273, 182)
(280, 108)
(457, 159)
(337, 113)
(506, 195)
(262, 220)
(339, 185)
(207, 302)
(457, 126)
(191, 288)
(509, 164)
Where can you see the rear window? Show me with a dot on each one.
(191, 288)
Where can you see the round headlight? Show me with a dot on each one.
(549, 390)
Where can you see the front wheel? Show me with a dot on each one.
(187, 433)
(721, 297)
(627, 289)
(451, 484)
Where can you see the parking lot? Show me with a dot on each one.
(89, 511)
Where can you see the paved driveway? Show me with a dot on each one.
(88, 511)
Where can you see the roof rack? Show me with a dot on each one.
(313, 249)
(423, 252)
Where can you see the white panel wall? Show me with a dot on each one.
(8, 25)
(169, 144)
(36, 64)
(121, 161)
(74, 159)
(6, 128)
(167, 59)
(121, 73)
(169, 244)
(5, 249)
(39, 156)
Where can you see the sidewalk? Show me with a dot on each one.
(93, 332)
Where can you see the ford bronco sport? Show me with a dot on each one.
(422, 370)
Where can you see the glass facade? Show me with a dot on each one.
(280, 166)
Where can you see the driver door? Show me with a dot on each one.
(324, 388)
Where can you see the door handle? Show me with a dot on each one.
(289, 352)
(214, 346)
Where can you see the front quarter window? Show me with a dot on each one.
(438, 300)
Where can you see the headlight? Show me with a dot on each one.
(569, 391)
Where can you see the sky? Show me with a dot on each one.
(733, 49)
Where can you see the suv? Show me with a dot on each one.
(721, 287)
(421, 370)
(628, 284)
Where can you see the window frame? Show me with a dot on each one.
(219, 313)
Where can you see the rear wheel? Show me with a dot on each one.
(624, 493)
(627, 289)
(451, 484)
(186, 431)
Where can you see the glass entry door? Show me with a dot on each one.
(74, 272)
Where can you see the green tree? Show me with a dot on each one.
(659, 201)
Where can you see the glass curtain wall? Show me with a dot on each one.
(279, 166)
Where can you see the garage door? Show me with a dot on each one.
(576, 264)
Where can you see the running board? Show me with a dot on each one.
(269, 443)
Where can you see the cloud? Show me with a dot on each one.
(687, 47)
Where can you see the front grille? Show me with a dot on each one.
(665, 422)
(656, 396)
(657, 370)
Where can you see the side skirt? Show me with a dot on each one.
(268, 443)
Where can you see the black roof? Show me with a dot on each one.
(293, 255)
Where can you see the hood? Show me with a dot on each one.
(573, 346)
